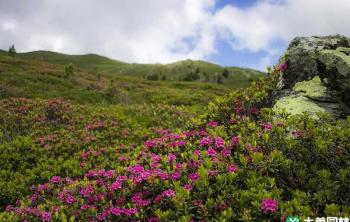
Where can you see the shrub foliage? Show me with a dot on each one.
(240, 161)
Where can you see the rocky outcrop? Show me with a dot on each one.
(317, 77)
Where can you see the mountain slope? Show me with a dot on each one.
(207, 72)
(34, 78)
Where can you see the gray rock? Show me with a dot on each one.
(317, 78)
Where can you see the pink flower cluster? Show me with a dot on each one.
(213, 124)
(137, 199)
(232, 168)
(269, 206)
(168, 193)
(205, 141)
(283, 67)
(130, 188)
(55, 179)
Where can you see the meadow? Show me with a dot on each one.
(86, 147)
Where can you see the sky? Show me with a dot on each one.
(245, 33)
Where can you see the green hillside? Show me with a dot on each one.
(38, 79)
(199, 71)
(88, 61)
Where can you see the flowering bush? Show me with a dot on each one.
(240, 161)
(269, 206)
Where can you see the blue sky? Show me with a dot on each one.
(238, 3)
(246, 33)
(244, 58)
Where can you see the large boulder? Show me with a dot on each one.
(317, 77)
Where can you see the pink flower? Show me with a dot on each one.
(122, 158)
(86, 191)
(267, 126)
(163, 175)
(254, 110)
(269, 206)
(121, 178)
(55, 179)
(102, 216)
(136, 169)
(70, 199)
(34, 197)
(176, 176)
(219, 142)
(155, 158)
(42, 187)
(232, 168)
(283, 67)
(158, 198)
(130, 212)
(150, 143)
(84, 207)
(46, 216)
(178, 166)
(109, 173)
(168, 193)
(213, 124)
(171, 157)
(197, 152)
(187, 187)
(211, 152)
(153, 219)
(235, 140)
(205, 141)
(226, 152)
(116, 185)
(116, 211)
(193, 176)
(9, 208)
(137, 199)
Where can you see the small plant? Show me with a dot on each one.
(152, 76)
(68, 70)
(225, 73)
(12, 51)
(220, 79)
(192, 75)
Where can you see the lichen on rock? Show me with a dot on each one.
(296, 104)
(312, 89)
(317, 78)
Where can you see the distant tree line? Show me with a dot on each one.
(191, 74)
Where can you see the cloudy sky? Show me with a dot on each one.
(247, 33)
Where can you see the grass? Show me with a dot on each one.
(41, 75)
(208, 72)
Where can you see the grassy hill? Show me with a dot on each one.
(98, 79)
(88, 61)
(35, 78)
(206, 72)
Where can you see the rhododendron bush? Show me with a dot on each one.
(238, 162)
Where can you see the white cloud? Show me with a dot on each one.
(133, 30)
(165, 30)
(257, 28)
(8, 26)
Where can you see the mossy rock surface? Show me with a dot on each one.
(318, 76)
(297, 104)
